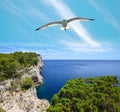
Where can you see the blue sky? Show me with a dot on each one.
(98, 39)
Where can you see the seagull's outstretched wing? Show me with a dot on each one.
(79, 19)
(49, 24)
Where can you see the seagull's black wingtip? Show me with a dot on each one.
(92, 19)
(36, 29)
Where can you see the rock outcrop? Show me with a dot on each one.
(34, 72)
(23, 101)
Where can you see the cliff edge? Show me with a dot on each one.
(14, 97)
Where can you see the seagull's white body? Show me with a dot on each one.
(63, 23)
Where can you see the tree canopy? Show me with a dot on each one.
(13, 62)
(101, 94)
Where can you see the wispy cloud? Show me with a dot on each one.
(106, 14)
(5, 48)
(65, 12)
(22, 15)
(11, 8)
(28, 45)
(34, 12)
(30, 11)
(84, 47)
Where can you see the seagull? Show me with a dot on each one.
(64, 23)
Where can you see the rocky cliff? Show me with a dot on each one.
(16, 100)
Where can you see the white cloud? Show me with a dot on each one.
(22, 15)
(29, 11)
(108, 17)
(65, 12)
(34, 12)
(84, 47)
(11, 8)
(89, 44)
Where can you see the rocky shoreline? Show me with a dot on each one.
(24, 101)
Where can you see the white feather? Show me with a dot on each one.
(62, 28)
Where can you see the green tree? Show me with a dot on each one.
(13, 62)
(101, 94)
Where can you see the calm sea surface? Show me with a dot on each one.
(57, 72)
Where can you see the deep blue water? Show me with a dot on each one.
(57, 72)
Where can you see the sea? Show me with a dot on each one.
(57, 72)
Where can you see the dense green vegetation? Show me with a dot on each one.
(27, 83)
(11, 63)
(100, 94)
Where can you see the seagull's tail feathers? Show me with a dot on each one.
(64, 28)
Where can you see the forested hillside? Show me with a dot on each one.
(11, 63)
(100, 94)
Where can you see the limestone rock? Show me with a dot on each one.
(23, 101)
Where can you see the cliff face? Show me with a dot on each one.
(34, 73)
(23, 101)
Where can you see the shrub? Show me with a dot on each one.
(27, 83)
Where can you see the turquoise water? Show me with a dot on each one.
(57, 72)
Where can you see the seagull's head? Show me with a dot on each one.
(64, 20)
